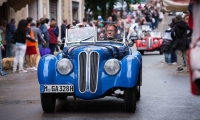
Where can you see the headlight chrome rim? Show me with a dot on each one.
(61, 62)
(155, 41)
(117, 69)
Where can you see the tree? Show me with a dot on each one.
(102, 4)
(136, 1)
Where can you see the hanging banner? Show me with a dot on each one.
(175, 5)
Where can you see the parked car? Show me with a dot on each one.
(89, 68)
(151, 41)
(173, 13)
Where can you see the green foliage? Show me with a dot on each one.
(105, 11)
(137, 1)
(106, 6)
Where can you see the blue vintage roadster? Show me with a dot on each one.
(89, 68)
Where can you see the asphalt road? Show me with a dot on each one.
(165, 95)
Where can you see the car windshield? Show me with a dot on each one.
(80, 34)
(92, 34)
(152, 34)
(155, 34)
(145, 28)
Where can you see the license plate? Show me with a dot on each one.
(134, 38)
(141, 48)
(57, 88)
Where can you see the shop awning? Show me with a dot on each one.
(175, 5)
(2, 1)
(18, 4)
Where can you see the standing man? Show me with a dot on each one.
(63, 29)
(10, 30)
(44, 31)
(37, 34)
(179, 35)
(47, 23)
(63, 33)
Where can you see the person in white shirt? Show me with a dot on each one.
(166, 45)
(161, 16)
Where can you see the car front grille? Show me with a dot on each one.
(82, 71)
(93, 71)
(149, 43)
(88, 71)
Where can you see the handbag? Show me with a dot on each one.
(44, 51)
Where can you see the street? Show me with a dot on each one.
(165, 95)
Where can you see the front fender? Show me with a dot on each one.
(137, 43)
(130, 71)
(127, 76)
(46, 69)
(160, 42)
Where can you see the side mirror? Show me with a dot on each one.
(130, 43)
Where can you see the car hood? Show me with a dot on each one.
(105, 51)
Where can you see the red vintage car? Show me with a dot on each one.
(150, 41)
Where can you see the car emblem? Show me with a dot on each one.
(89, 50)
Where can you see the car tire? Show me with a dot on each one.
(139, 85)
(141, 51)
(48, 102)
(63, 98)
(160, 52)
(130, 99)
(138, 93)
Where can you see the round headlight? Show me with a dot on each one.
(112, 66)
(64, 66)
(143, 41)
(155, 41)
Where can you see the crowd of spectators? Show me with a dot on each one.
(45, 32)
(24, 42)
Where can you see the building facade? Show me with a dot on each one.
(57, 9)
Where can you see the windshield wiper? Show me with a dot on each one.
(87, 38)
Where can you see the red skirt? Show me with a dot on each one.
(31, 50)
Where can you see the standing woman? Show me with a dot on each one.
(53, 33)
(20, 38)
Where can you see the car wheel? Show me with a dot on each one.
(141, 51)
(48, 102)
(138, 93)
(160, 52)
(63, 97)
(130, 99)
(139, 85)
